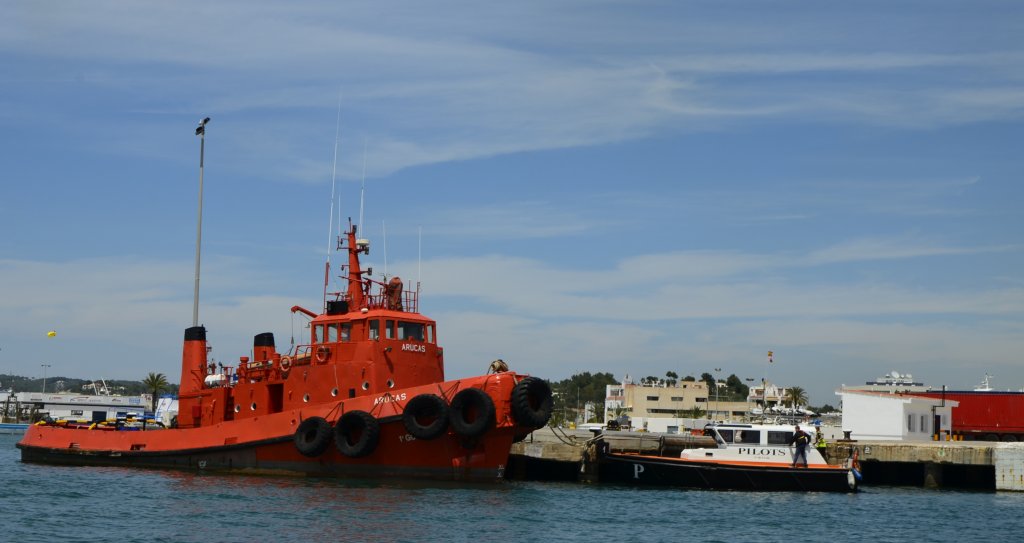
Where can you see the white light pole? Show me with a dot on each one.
(578, 406)
(717, 388)
(45, 366)
(201, 132)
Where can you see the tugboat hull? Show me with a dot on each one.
(276, 443)
(483, 463)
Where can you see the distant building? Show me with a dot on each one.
(81, 407)
(767, 395)
(654, 401)
(894, 382)
(641, 403)
(879, 415)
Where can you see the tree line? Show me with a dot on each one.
(572, 395)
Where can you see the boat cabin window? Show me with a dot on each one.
(346, 331)
(779, 438)
(430, 333)
(726, 435)
(389, 329)
(410, 330)
(318, 333)
(747, 436)
(374, 330)
(332, 333)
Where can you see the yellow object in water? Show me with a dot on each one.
(51, 333)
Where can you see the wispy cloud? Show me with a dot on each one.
(473, 93)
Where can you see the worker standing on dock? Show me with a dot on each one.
(801, 439)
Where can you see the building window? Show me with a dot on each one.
(677, 398)
(910, 423)
(924, 424)
(652, 398)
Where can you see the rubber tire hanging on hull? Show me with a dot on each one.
(313, 436)
(531, 402)
(472, 412)
(426, 416)
(356, 434)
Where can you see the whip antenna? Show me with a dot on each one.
(419, 261)
(330, 222)
(334, 178)
(362, 190)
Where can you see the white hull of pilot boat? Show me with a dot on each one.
(748, 457)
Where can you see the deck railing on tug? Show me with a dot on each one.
(385, 298)
(409, 302)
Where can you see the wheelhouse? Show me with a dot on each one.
(749, 434)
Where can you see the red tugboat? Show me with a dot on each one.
(366, 397)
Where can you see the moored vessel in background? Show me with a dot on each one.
(365, 397)
(747, 457)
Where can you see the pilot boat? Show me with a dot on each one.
(747, 457)
(366, 396)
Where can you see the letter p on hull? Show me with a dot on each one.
(637, 470)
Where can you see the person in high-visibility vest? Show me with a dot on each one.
(821, 445)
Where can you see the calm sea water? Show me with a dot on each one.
(58, 504)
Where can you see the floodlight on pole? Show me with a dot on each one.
(45, 367)
(201, 132)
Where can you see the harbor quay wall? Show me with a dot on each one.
(560, 454)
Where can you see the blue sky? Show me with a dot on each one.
(631, 187)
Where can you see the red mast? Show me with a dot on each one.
(355, 273)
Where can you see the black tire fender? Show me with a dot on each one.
(313, 436)
(472, 412)
(426, 416)
(532, 402)
(356, 434)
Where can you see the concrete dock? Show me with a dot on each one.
(559, 454)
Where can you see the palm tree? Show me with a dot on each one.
(693, 413)
(796, 396)
(671, 378)
(155, 383)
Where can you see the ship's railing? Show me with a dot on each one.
(408, 301)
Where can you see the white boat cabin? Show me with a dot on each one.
(760, 443)
(753, 434)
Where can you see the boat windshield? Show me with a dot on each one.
(410, 330)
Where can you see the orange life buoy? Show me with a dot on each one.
(286, 363)
(321, 354)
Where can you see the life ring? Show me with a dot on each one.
(356, 434)
(472, 412)
(531, 402)
(322, 353)
(286, 363)
(426, 416)
(313, 436)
